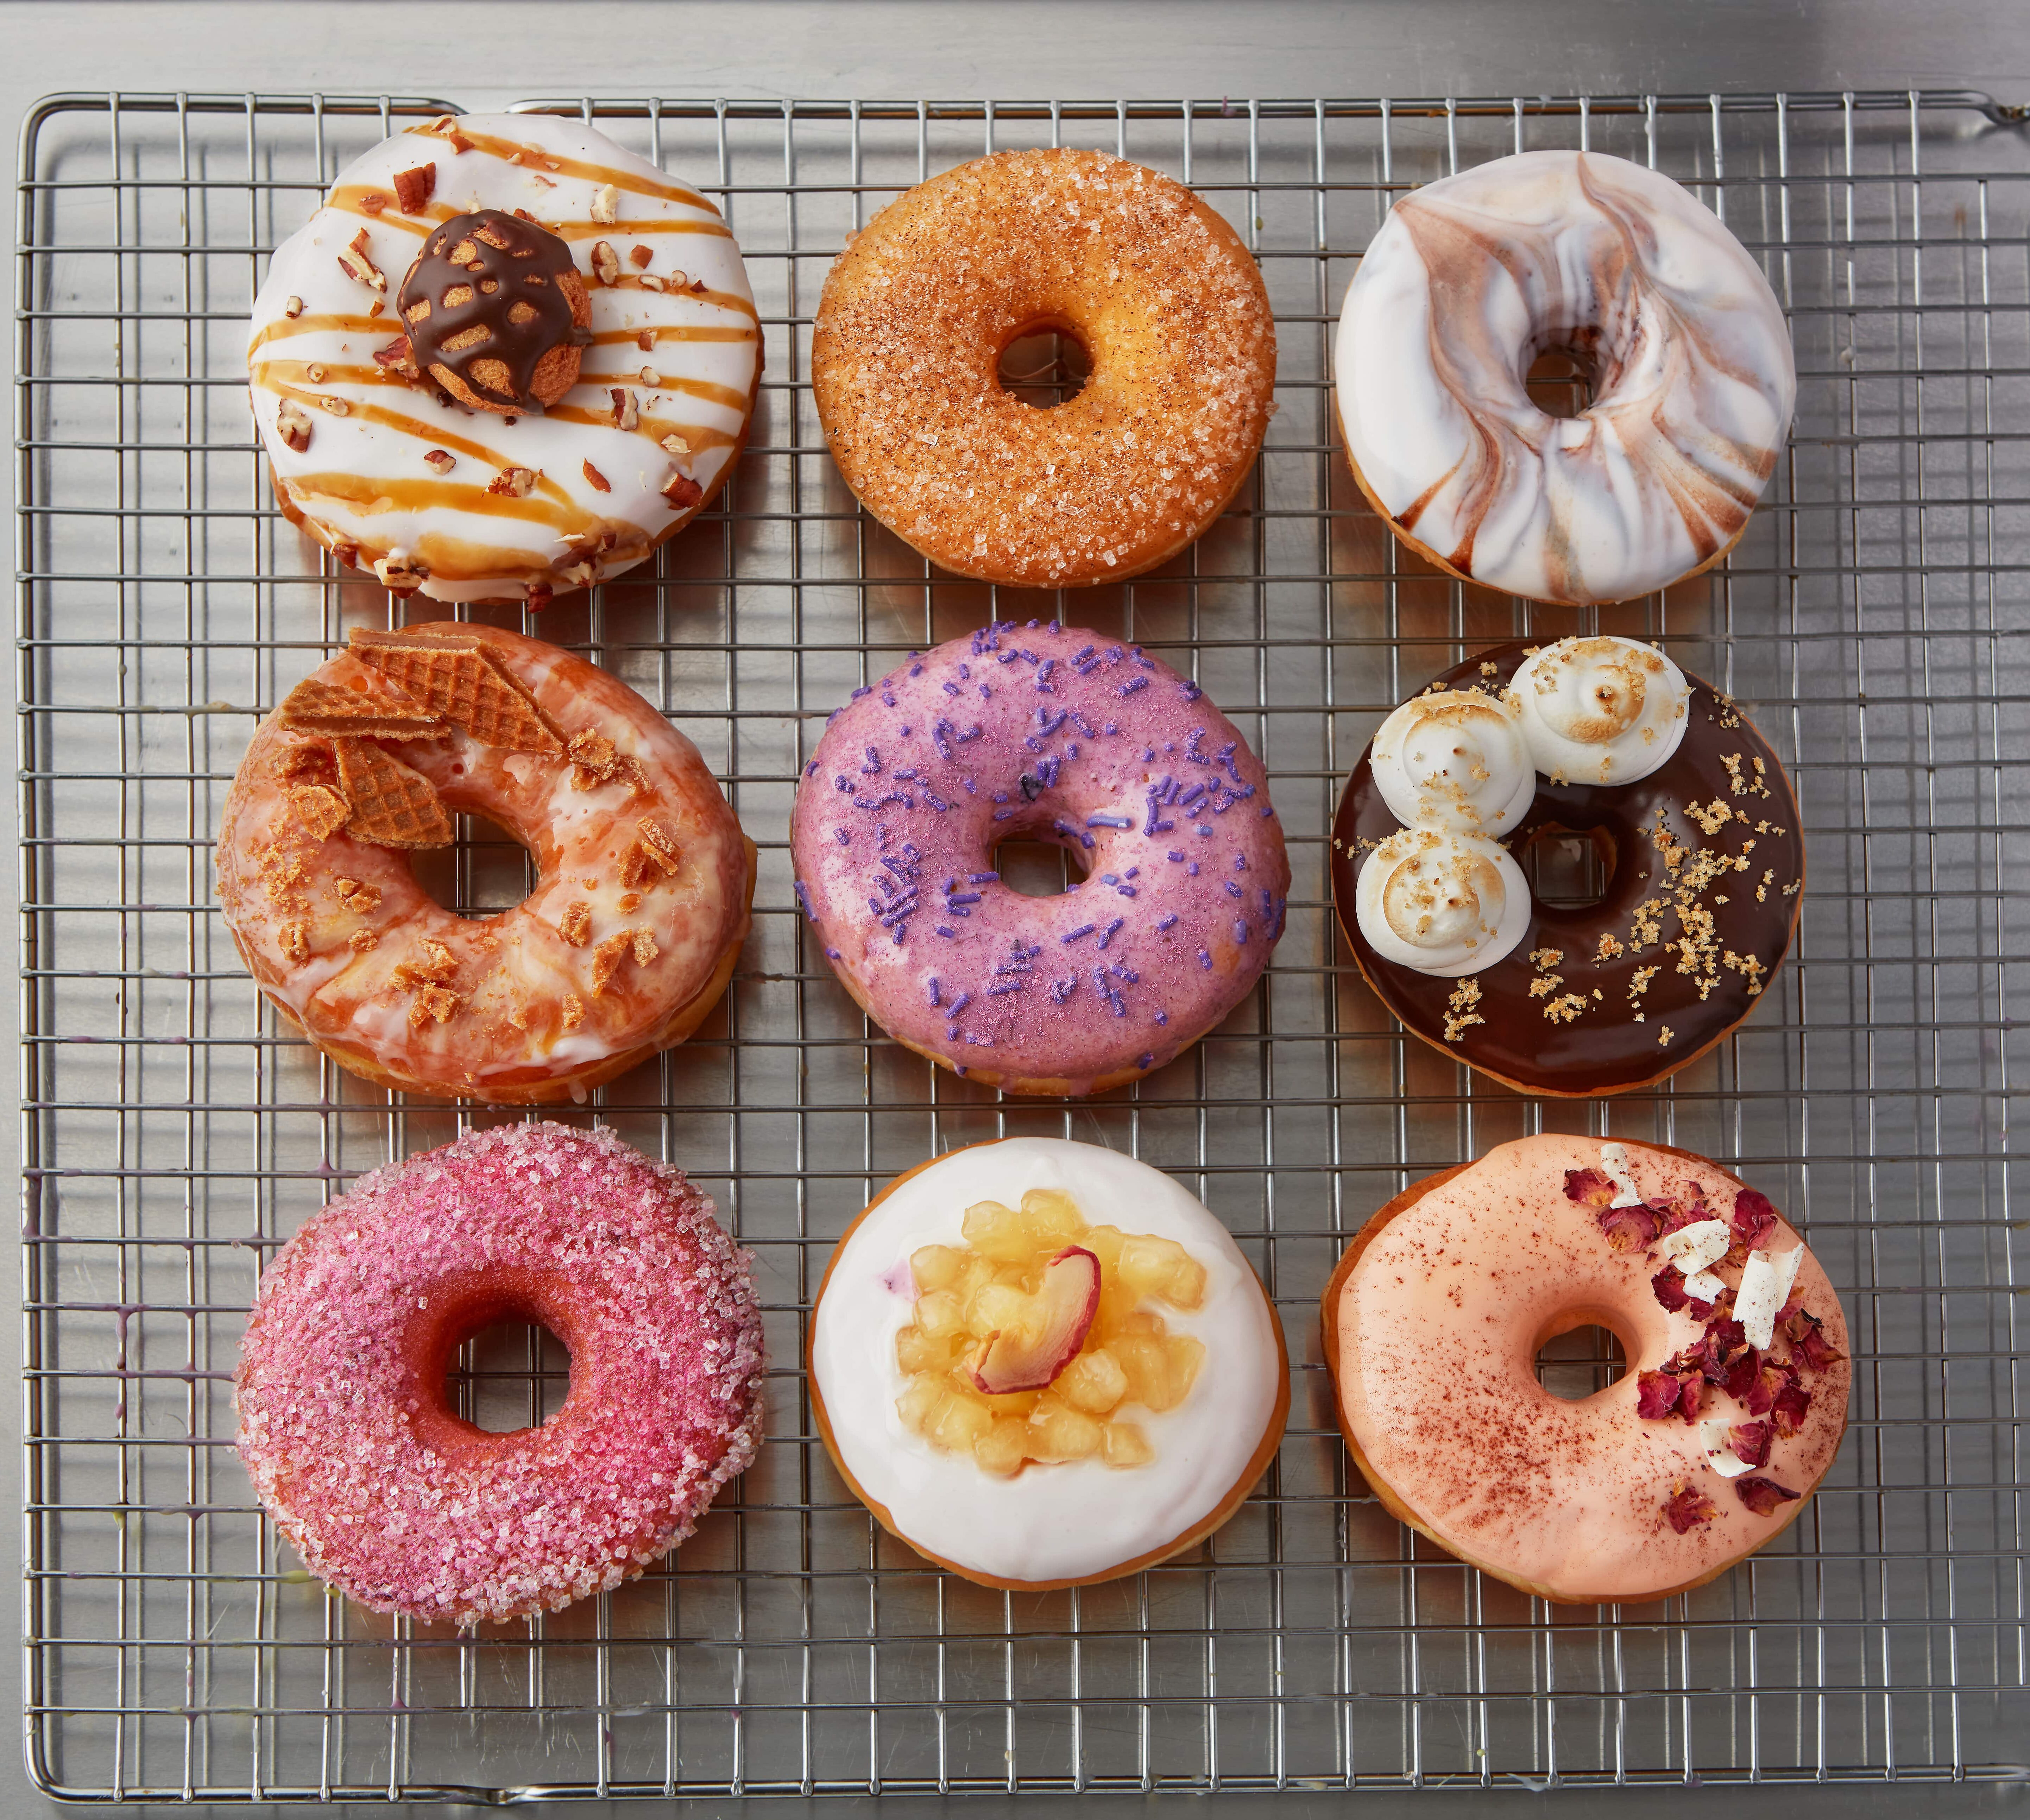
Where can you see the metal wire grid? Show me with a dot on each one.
(172, 1136)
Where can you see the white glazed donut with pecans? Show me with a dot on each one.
(626, 943)
(505, 358)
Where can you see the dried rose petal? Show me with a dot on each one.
(1589, 1187)
(1669, 1284)
(1762, 1495)
(1770, 1379)
(1791, 1404)
(1754, 1219)
(1671, 1214)
(1686, 1509)
(1627, 1228)
(1815, 1349)
(1655, 1395)
(1691, 1398)
(1750, 1443)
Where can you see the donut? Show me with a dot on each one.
(1049, 733)
(1730, 1411)
(641, 903)
(1686, 805)
(1169, 305)
(402, 1506)
(1469, 280)
(505, 358)
(1043, 1365)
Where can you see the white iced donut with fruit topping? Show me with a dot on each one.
(591, 396)
(1474, 276)
(1041, 1364)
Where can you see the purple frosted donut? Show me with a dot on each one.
(1040, 732)
(404, 1507)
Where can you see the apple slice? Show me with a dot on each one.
(1026, 1355)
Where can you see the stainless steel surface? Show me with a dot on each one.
(1872, 621)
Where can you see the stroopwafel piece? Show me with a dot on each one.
(461, 683)
(330, 709)
(392, 805)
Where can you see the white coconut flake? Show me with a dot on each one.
(1692, 1248)
(1704, 1287)
(1614, 1159)
(1716, 1438)
(1765, 1287)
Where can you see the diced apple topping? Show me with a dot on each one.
(1031, 1339)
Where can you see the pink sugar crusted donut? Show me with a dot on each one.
(404, 1507)
(1040, 732)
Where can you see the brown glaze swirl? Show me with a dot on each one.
(1696, 917)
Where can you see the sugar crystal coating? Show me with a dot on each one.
(403, 1507)
(919, 308)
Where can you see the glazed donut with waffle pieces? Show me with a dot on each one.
(504, 359)
(626, 943)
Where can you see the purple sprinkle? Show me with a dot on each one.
(1133, 683)
(1148, 1060)
(858, 692)
(1107, 935)
(931, 984)
(1125, 889)
(1162, 1016)
(1201, 830)
(873, 761)
(946, 933)
(949, 688)
(803, 898)
(1176, 857)
(1168, 922)
(832, 954)
(1083, 929)
(1240, 930)
(1192, 870)
(1205, 960)
(810, 767)
(982, 877)
(1109, 821)
(959, 1004)
(841, 835)
(1233, 890)
(962, 897)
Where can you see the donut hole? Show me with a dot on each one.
(485, 871)
(1568, 869)
(1581, 1363)
(510, 1375)
(1561, 380)
(1038, 868)
(1045, 365)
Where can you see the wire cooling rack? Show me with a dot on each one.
(1874, 619)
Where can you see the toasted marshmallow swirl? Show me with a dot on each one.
(1441, 903)
(1456, 760)
(1467, 281)
(1603, 710)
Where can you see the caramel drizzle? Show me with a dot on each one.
(418, 493)
(668, 332)
(654, 428)
(542, 161)
(283, 327)
(348, 198)
(436, 437)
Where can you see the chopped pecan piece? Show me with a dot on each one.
(605, 262)
(397, 356)
(639, 255)
(400, 573)
(414, 189)
(445, 127)
(676, 446)
(595, 479)
(644, 338)
(293, 424)
(627, 414)
(439, 460)
(293, 308)
(650, 282)
(515, 482)
(681, 491)
(354, 263)
(606, 203)
(373, 202)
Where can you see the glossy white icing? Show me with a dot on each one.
(1454, 760)
(1079, 1518)
(363, 481)
(1604, 710)
(1468, 279)
(1443, 903)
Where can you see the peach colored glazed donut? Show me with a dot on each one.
(404, 1506)
(1432, 1320)
(1169, 305)
(626, 943)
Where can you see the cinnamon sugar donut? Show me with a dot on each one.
(1169, 305)
(1730, 1413)
(624, 945)
(402, 1506)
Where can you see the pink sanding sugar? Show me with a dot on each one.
(402, 1506)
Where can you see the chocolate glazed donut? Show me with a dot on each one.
(1605, 997)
